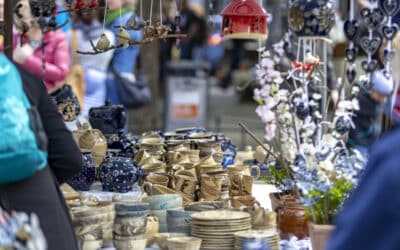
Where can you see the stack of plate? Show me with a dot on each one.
(271, 235)
(217, 228)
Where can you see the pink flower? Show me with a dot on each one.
(265, 113)
(267, 63)
(262, 92)
(270, 131)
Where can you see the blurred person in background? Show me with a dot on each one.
(88, 28)
(368, 119)
(28, 51)
(63, 17)
(124, 60)
(194, 25)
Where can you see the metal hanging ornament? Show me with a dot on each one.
(372, 17)
(351, 30)
(390, 8)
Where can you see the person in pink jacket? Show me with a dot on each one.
(28, 51)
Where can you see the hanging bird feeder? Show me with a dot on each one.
(244, 19)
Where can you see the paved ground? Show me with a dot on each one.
(226, 111)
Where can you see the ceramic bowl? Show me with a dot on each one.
(164, 201)
(179, 221)
(133, 226)
(184, 243)
(94, 219)
(90, 244)
(162, 238)
(162, 214)
(85, 211)
(131, 243)
(131, 207)
(132, 214)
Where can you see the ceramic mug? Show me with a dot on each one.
(157, 179)
(185, 184)
(245, 170)
(210, 188)
(154, 168)
(244, 201)
(203, 169)
(141, 157)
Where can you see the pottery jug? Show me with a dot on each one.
(86, 177)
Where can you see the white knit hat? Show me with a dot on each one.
(382, 82)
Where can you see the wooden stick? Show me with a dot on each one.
(245, 128)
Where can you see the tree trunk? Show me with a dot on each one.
(148, 118)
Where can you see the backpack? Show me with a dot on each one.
(23, 142)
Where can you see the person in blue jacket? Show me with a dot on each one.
(124, 59)
(370, 219)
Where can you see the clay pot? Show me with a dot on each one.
(319, 235)
(276, 202)
(292, 219)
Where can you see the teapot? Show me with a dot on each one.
(109, 119)
(119, 174)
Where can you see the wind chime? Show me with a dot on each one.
(150, 32)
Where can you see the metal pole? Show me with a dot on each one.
(8, 23)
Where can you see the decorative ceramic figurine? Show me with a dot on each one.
(118, 174)
(109, 119)
(244, 19)
(86, 177)
(311, 17)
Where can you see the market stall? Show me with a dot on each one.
(191, 188)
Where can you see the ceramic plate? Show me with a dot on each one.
(221, 215)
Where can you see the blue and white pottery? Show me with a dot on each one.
(119, 174)
(132, 214)
(189, 131)
(86, 177)
(311, 17)
(122, 143)
(164, 201)
(111, 153)
(131, 207)
(179, 221)
(109, 119)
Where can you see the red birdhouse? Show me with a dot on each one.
(244, 19)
